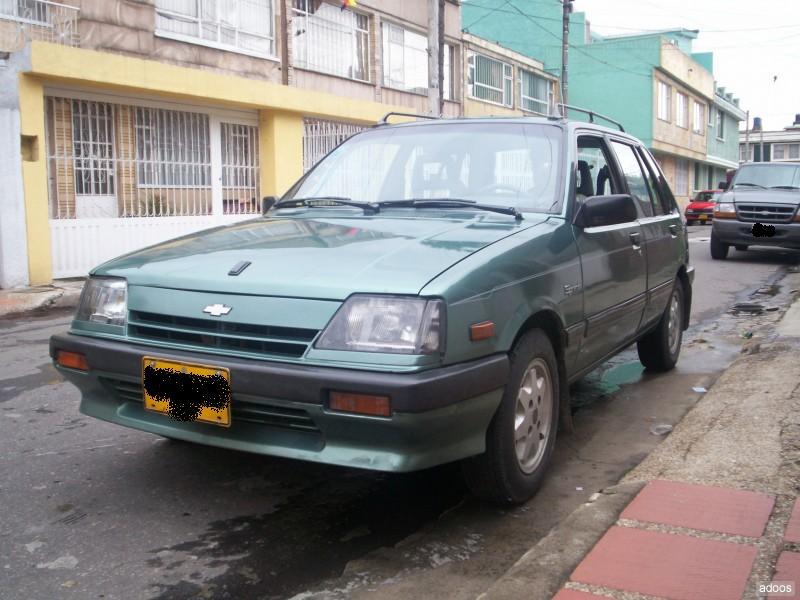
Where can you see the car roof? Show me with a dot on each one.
(567, 124)
(782, 163)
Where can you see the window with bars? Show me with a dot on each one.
(405, 61)
(320, 137)
(330, 40)
(93, 148)
(491, 80)
(536, 92)
(172, 148)
(116, 160)
(242, 25)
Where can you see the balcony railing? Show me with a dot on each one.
(25, 20)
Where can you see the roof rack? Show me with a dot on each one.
(592, 115)
(385, 119)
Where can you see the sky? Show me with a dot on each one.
(753, 42)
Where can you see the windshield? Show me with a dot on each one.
(503, 164)
(768, 176)
(706, 196)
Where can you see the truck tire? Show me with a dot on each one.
(659, 349)
(522, 434)
(719, 251)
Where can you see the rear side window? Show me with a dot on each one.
(632, 171)
(664, 195)
(652, 184)
(594, 173)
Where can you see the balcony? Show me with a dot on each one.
(24, 20)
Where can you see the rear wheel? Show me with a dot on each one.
(522, 433)
(659, 349)
(741, 248)
(719, 250)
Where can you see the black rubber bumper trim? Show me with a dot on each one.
(409, 392)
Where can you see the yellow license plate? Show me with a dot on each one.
(187, 392)
(703, 217)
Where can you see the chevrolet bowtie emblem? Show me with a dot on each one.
(217, 310)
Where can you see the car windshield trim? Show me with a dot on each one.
(784, 187)
(748, 184)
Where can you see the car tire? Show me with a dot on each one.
(719, 250)
(522, 434)
(741, 248)
(659, 350)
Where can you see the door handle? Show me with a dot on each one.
(636, 240)
(673, 230)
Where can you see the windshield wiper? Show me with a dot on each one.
(747, 183)
(323, 201)
(452, 203)
(784, 187)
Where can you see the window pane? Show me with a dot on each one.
(632, 171)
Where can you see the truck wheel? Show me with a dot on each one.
(719, 251)
(741, 248)
(522, 434)
(659, 349)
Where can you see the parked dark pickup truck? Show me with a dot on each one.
(760, 208)
(425, 294)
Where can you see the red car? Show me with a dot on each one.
(701, 208)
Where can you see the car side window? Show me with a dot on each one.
(594, 173)
(652, 184)
(632, 171)
(664, 196)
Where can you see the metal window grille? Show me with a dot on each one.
(536, 92)
(491, 80)
(241, 24)
(24, 20)
(240, 171)
(115, 160)
(320, 137)
(330, 40)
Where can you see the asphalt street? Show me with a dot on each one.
(92, 510)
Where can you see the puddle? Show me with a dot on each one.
(768, 290)
(606, 382)
(748, 308)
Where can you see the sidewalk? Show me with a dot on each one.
(63, 293)
(711, 514)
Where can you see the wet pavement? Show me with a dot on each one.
(96, 511)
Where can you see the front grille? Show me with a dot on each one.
(221, 335)
(763, 213)
(241, 410)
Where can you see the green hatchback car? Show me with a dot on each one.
(425, 294)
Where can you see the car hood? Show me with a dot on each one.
(757, 196)
(320, 257)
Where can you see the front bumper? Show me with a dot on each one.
(739, 233)
(439, 416)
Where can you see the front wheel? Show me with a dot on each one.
(659, 349)
(719, 250)
(522, 434)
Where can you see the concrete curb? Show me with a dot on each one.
(543, 569)
(21, 302)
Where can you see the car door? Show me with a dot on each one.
(664, 239)
(612, 259)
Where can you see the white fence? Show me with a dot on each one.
(25, 20)
(78, 245)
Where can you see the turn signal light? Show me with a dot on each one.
(362, 404)
(481, 331)
(724, 215)
(71, 360)
(797, 217)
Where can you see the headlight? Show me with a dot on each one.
(725, 207)
(104, 300)
(393, 324)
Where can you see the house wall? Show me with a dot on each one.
(668, 136)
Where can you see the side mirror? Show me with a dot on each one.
(723, 185)
(597, 211)
(267, 202)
